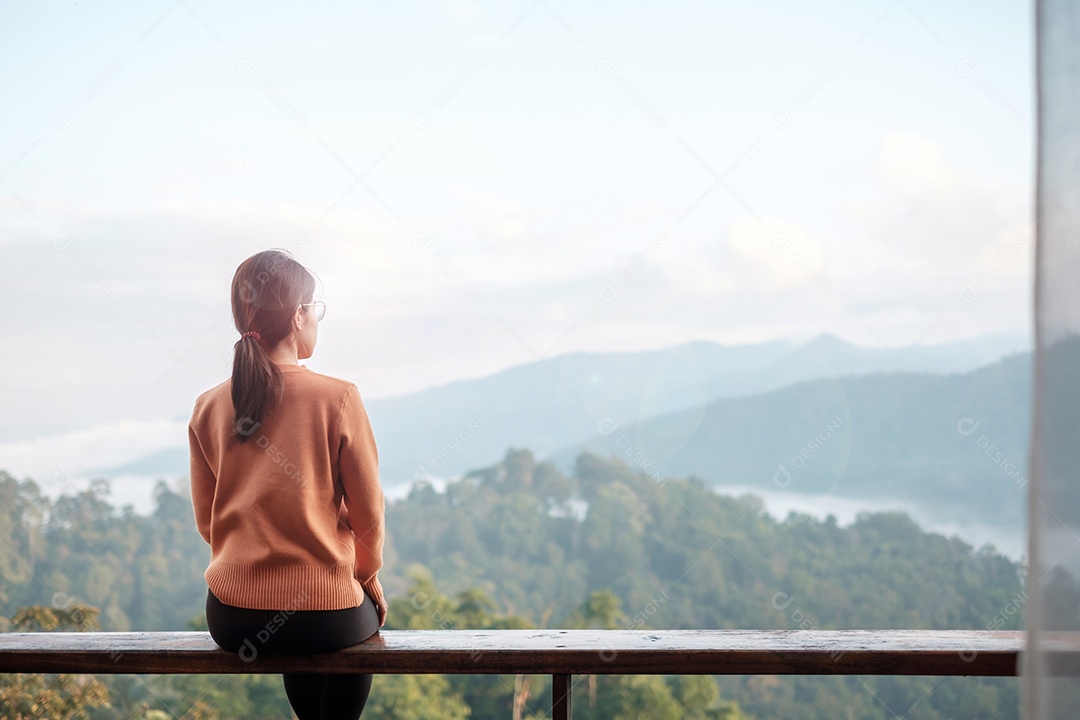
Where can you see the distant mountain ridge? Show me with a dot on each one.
(957, 443)
(552, 404)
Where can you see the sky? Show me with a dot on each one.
(479, 185)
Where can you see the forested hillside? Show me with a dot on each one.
(519, 544)
(957, 444)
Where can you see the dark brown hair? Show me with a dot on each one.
(267, 289)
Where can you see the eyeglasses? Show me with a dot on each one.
(320, 309)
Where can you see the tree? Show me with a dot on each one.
(414, 697)
(600, 610)
(64, 696)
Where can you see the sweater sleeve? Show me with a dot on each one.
(364, 503)
(203, 483)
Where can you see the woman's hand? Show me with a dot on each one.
(374, 591)
(381, 607)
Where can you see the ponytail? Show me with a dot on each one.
(267, 288)
(256, 386)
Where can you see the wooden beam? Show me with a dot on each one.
(544, 652)
(561, 688)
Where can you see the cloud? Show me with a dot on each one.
(56, 460)
(932, 216)
(138, 299)
(483, 201)
(932, 245)
(773, 253)
(460, 10)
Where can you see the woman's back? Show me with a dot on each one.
(270, 508)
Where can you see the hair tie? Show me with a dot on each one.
(252, 333)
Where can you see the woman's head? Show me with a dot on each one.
(270, 292)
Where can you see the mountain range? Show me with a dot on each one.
(823, 417)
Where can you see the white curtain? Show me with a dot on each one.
(1051, 685)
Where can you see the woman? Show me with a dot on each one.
(285, 487)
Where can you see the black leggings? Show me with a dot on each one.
(313, 696)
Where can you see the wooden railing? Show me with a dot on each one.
(559, 653)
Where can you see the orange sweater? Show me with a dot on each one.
(294, 515)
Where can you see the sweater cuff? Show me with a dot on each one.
(373, 588)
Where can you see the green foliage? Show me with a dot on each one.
(602, 609)
(414, 697)
(518, 545)
(243, 697)
(424, 607)
(55, 696)
(678, 555)
(144, 573)
(64, 697)
(653, 697)
(69, 618)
